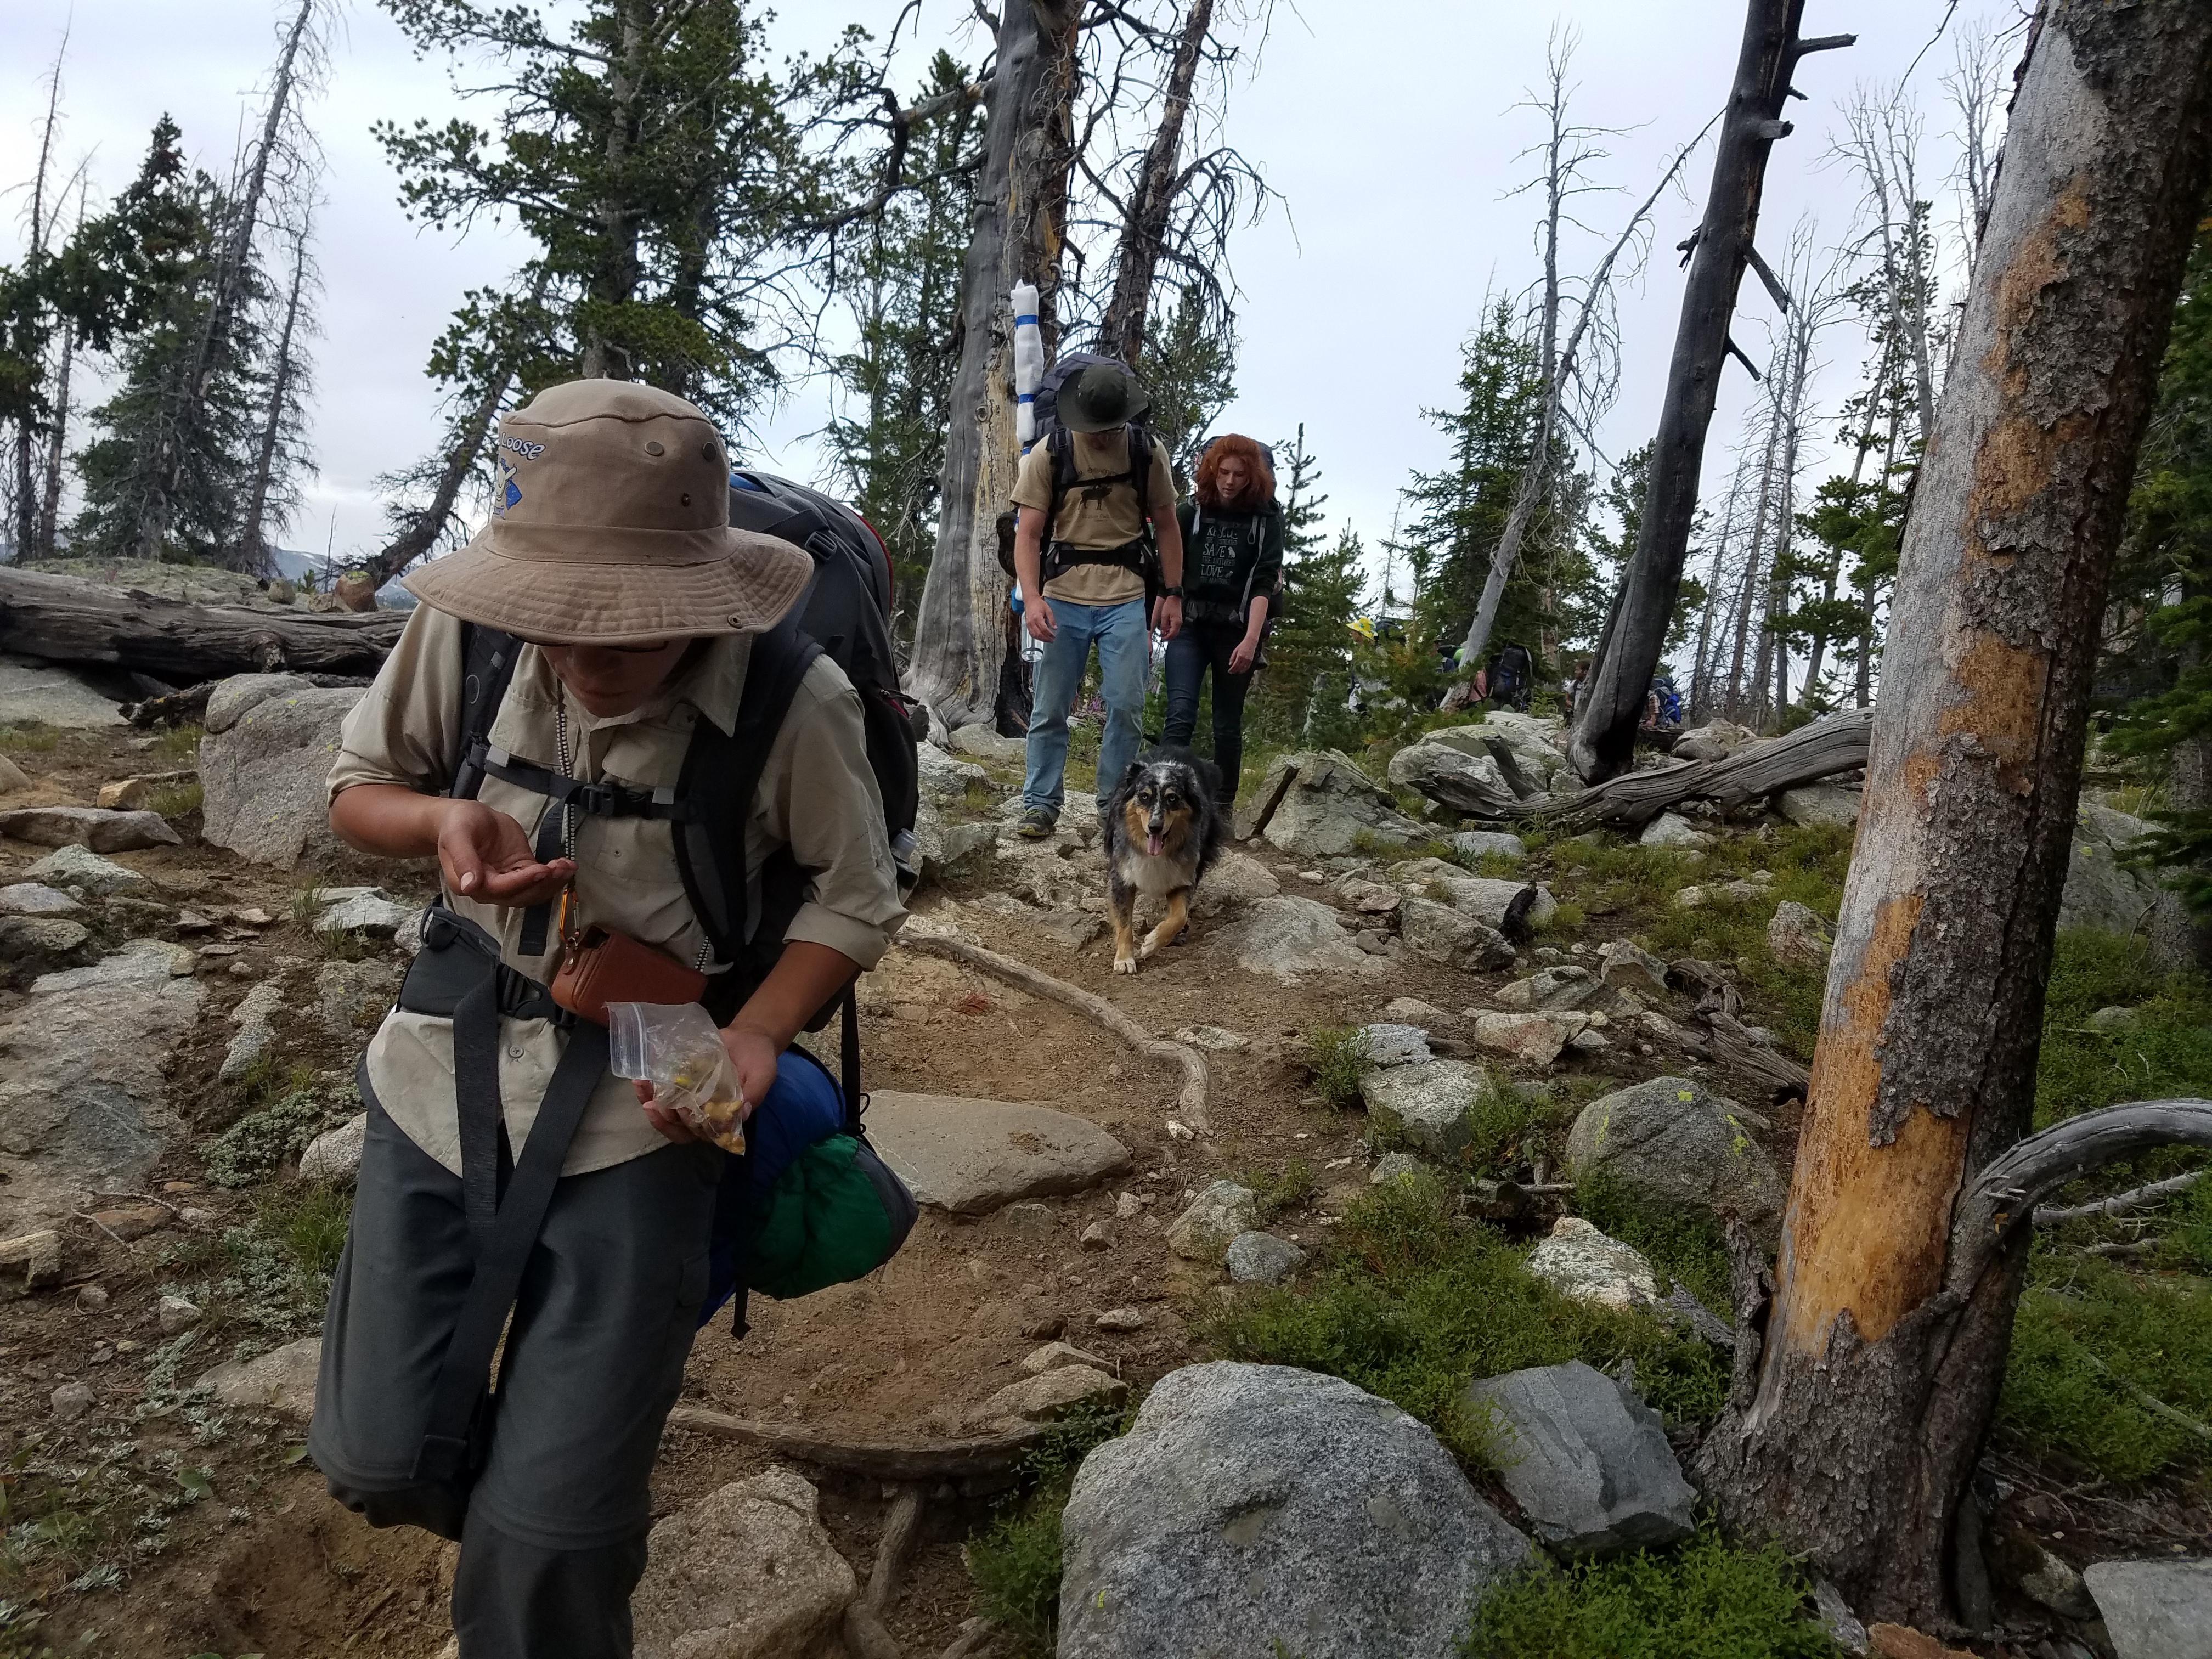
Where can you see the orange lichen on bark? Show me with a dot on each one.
(1866, 1223)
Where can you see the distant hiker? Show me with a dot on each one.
(1662, 706)
(1574, 687)
(1094, 493)
(1232, 538)
(505, 1167)
(1509, 678)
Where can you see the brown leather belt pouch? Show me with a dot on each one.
(602, 967)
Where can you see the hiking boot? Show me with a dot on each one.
(1038, 822)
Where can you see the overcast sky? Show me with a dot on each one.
(1389, 130)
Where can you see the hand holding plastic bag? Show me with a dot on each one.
(677, 1049)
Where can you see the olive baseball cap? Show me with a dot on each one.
(610, 525)
(1099, 398)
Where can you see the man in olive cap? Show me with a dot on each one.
(633, 609)
(1081, 555)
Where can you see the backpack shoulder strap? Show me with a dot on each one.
(722, 773)
(488, 659)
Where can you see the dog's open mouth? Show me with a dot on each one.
(1155, 843)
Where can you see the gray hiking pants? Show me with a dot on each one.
(552, 1532)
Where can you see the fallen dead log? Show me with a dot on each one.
(189, 705)
(1190, 1103)
(1838, 744)
(1734, 1047)
(65, 619)
(879, 1460)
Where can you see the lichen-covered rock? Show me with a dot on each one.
(80, 866)
(255, 1018)
(2104, 893)
(280, 1381)
(264, 766)
(1487, 843)
(1321, 804)
(1387, 1044)
(1485, 898)
(1820, 802)
(1673, 1143)
(1565, 986)
(1256, 1511)
(1466, 782)
(1673, 829)
(1450, 938)
(1535, 1038)
(335, 1155)
(1257, 1258)
(1286, 938)
(84, 1088)
(1047, 1395)
(1628, 967)
(1586, 1460)
(1425, 1105)
(1584, 1265)
(1715, 740)
(1796, 938)
(92, 826)
(1222, 1210)
(747, 1572)
(32, 898)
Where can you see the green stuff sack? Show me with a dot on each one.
(835, 1213)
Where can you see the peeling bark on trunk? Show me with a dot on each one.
(1880, 1366)
(1021, 209)
(1121, 330)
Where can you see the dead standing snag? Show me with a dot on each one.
(1886, 1338)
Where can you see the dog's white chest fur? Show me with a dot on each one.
(1157, 877)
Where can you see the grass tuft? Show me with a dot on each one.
(174, 800)
(1284, 1190)
(178, 744)
(1336, 1059)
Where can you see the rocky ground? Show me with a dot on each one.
(1392, 1009)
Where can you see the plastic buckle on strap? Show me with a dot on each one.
(442, 1457)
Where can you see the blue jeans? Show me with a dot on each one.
(1124, 659)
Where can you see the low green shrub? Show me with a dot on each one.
(1684, 1244)
(174, 800)
(2167, 1052)
(1014, 1563)
(180, 745)
(2088, 1343)
(29, 739)
(1282, 1189)
(1414, 1302)
(1704, 1600)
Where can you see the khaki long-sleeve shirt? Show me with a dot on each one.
(818, 797)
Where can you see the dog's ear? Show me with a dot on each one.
(1134, 770)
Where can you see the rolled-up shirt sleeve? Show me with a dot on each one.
(818, 797)
(406, 729)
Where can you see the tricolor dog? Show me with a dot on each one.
(1162, 830)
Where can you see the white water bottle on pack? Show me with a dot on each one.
(1028, 362)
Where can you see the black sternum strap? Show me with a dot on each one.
(565, 795)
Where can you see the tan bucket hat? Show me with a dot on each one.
(612, 526)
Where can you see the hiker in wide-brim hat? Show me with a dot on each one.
(626, 612)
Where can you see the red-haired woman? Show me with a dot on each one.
(1232, 537)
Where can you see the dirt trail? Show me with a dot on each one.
(262, 1561)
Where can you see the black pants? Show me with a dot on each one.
(553, 1532)
(1196, 647)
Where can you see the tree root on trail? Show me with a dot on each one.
(881, 1460)
(938, 940)
(865, 1632)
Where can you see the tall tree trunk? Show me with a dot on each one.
(1830, 575)
(26, 528)
(1121, 330)
(1887, 1336)
(1701, 689)
(1021, 209)
(1605, 730)
(613, 284)
(50, 498)
(464, 442)
(252, 539)
(1754, 561)
(1533, 490)
(226, 299)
